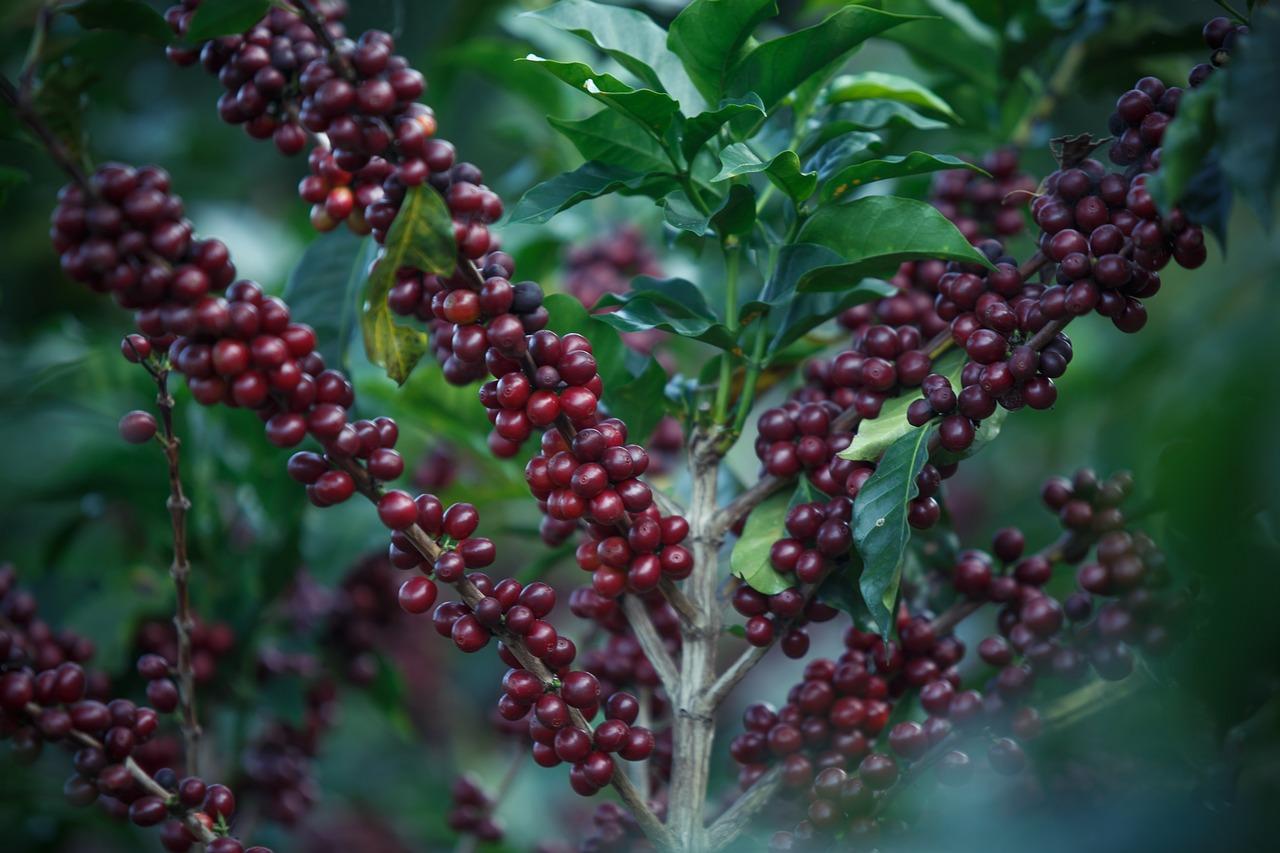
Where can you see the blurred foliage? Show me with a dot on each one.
(1189, 404)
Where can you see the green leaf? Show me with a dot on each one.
(750, 557)
(588, 181)
(1186, 144)
(323, 289)
(630, 37)
(9, 179)
(889, 87)
(775, 68)
(877, 233)
(421, 237)
(673, 305)
(783, 169)
(841, 151)
(875, 435)
(703, 126)
(679, 211)
(639, 402)
(792, 315)
(708, 35)
(938, 45)
(869, 171)
(871, 115)
(651, 110)
(737, 216)
(224, 17)
(1251, 147)
(880, 531)
(610, 137)
(128, 16)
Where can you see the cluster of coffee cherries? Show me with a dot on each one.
(125, 234)
(452, 528)
(210, 642)
(1109, 242)
(471, 811)
(1142, 113)
(819, 420)
(463, 318)
(982, 207)
(259, 69)
(630, 544)
(46, 695)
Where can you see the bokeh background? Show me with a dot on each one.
(1189, 759)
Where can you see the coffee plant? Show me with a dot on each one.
(826, 340)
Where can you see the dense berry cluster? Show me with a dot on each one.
(1142, 114)
(983, 207)
(832, 739)
(259, 69)
(465, 317)
(46, 695)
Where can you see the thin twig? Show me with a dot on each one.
(651, 643)
(734, 820)
(180, 571)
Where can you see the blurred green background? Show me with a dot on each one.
(1190, 404)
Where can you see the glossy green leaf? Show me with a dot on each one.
(679, 211)
(672, 305)
(588, 181)
(703, 126)
(876, 435)
(1251, 147)
(841, 151)
(877, 233)
(421, 237)
(880, 531)
(783, 169)
(775, 68)
(791, 315)
(848, 179)
(737, 215)
(708, 36)
(224, 17)
(610, 137)
(638, 402)
(870, 115)
(128, 16)
(651, 110)
(881, 85)
(323, 289)
(750, 557)
(633, 39)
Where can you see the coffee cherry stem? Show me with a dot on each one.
(180, 572)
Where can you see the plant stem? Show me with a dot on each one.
(734, 820)
(748, 396)
(732, 258)
(1244, 19)
(693, 729)
(651, 642)
(180, 571)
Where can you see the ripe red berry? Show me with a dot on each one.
(138, 427)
